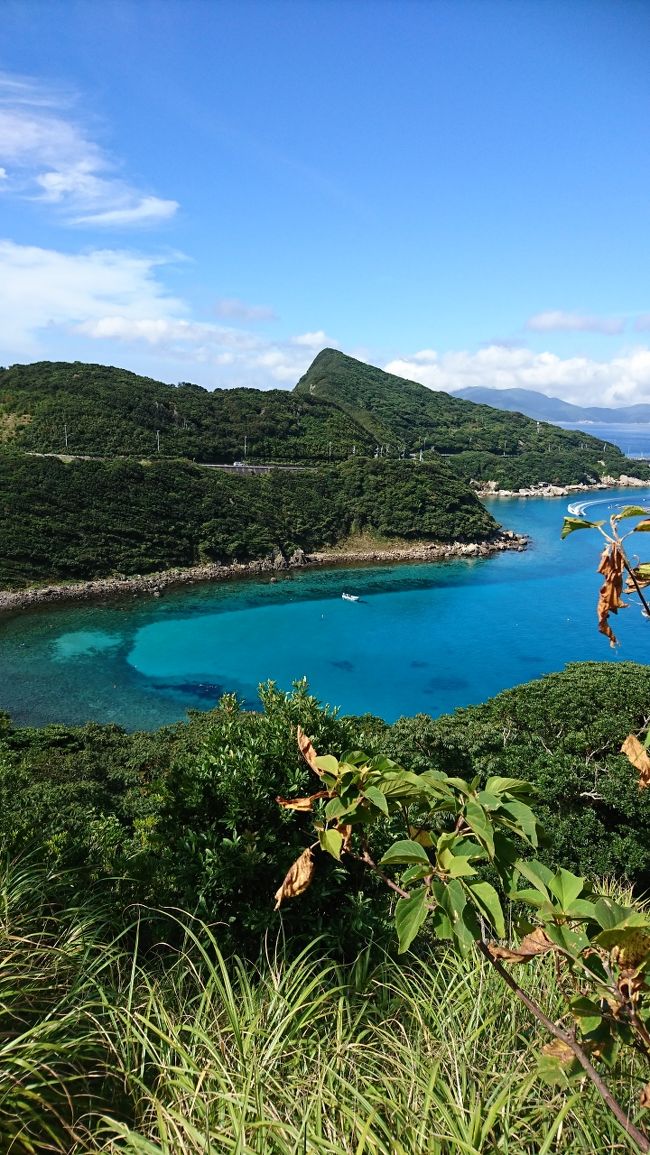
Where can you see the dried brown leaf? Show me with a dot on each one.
(346, 832)
(609, 598)
(644, 1098)
(306, 749)
(297, 879)
(303, 803)
(637, 754)
(558, 1050)
(535, 943)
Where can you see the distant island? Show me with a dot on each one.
(543, 408)
(103, 472)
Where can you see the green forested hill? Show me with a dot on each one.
(86, 519)
(480, 442)
(340, 408)
(49, 407)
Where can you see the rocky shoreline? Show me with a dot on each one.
(154, 584)
(547, 490)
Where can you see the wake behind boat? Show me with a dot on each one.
(350, 597)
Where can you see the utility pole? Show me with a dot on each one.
(65, 434)
(245, 441)
(354, 449)
(157, 440)
(330, 449)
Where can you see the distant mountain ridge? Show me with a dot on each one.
(543, 408)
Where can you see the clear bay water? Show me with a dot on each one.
(423, 637)
(633, 439)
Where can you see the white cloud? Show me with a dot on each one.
(555, 320)
(116, 298)
(48, 156)
(237, 310)
(316, 340)
(623, 380)
(41, 289)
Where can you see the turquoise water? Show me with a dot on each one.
(422, 638)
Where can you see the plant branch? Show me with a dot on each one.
(641, 1140)
(637, 587)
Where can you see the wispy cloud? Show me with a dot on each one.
(42, 290)
(117, 298)
(623, 380)
(236, 310)
(557, 321)
(48, 155)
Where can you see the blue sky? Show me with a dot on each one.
(457, 190)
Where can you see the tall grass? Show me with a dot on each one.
(106, 1047)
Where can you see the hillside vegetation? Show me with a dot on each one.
(87, 519)
(480, 442)
(340, 408)
(187, 815)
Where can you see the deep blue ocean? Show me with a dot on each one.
(423, 638)
(634, 440)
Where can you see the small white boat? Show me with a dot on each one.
(350, 597)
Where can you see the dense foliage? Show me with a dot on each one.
(85, 519)
(188, 816)
(340, 408)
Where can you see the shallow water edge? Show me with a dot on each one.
(110, 588)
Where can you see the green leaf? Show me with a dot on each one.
(488, 800)
(570, 525)
(383, 764)
(335, 808)
(582, 908)
(455, 865)
(410, 914)
(627, 934)
(415, 873)
(331, 841)
(642, 527)
(464, 923)
(354, 758)
(553, 1071)
(587, 1011)
(478, 820)
(377, 799)
(400, 786)
(536, 873)
(405, 853)
(532, 897)
(487, 900)
(460, 845)
(513, 786)
(610, 913)
(572, 942)
(440, 924)
(328, 764)
(525, 822)
(631, 511)
(566, 887)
